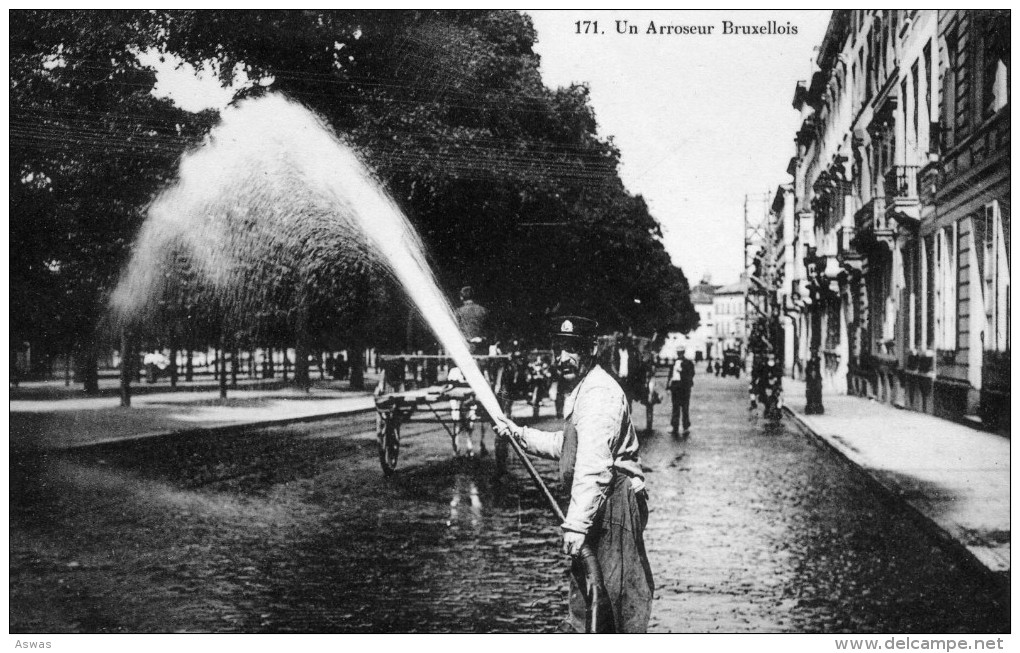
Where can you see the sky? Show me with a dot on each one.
(700, 120)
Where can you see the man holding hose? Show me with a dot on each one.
(598, 454)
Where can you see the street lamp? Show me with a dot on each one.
(813, 370)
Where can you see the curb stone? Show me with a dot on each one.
(892, 493)
(227, 429)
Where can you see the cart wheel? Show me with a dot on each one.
(389, 446)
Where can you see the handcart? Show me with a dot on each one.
(398, 401)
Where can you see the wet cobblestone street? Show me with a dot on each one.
(754, 528)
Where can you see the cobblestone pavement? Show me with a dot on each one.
(753, 528)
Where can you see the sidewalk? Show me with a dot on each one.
(48, 415)
(954, 478)
(54, 420)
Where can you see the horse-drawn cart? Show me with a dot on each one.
(453, 405)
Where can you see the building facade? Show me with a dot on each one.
(898, 284)
(702, 341)
(728, 304)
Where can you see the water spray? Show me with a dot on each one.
(271, 187)
(272, 184)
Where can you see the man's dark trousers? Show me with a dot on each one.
(681, 402)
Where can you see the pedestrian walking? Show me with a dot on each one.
(681, 381)
(598, 454)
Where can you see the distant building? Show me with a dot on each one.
(702, 340)
(721, 321)
(728, 305)
(899, 282)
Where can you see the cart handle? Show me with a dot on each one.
(394, 357)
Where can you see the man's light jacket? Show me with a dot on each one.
(606, 441)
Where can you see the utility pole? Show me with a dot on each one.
(761, 303)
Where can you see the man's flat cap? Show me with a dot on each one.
(573, 326)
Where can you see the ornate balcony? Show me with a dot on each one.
(985, 150)
(807, 132)
(901, 200)
(846, 251)
(928, 181)
(870, 219)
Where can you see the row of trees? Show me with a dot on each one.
(507, 181)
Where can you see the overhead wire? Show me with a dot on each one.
(590, 162)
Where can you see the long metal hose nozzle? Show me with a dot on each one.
(599, 617)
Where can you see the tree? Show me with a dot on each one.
(89, 146)
(506, 180)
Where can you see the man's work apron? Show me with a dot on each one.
(617, 537)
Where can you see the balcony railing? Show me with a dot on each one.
(845, 250)
(902, 202)
(901, 182)
(871, 216)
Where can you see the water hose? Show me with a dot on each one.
(596, 597)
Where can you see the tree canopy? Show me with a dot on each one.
(507, 181)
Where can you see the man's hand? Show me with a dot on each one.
(572, 542)
(504, 428)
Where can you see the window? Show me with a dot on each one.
(870, 78)
(945, 288)
(918, 299)
(929, 291)
(908, 137)
(915, 78)
(995, 68)
(930, 132)
(861, 71)
(888, 302)
(949, 91)
(993, 265)
(910, 279)
(963, 299)
(927, 82)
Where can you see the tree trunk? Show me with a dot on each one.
(221, 365)
(126, 363)
(269, 368)
(301, 377)
(284, 364)
(189, 367)
(357, 367)
(235, 364)
(173, 367)
(90, 368)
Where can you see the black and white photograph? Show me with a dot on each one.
(346, 322)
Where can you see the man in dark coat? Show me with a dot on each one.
(681, 381)
(473, 321)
